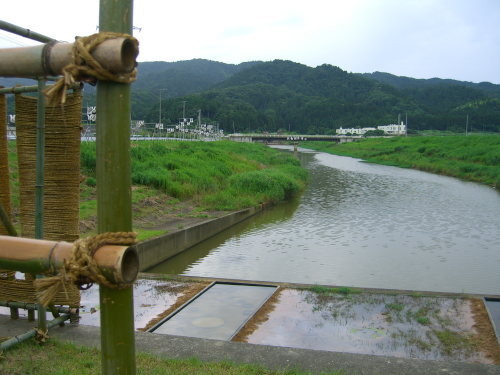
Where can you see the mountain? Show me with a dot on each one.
(284, 95)
(177, 79)
(447, 102)
(408, 83)
(184, 77)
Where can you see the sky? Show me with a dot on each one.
(457, 39)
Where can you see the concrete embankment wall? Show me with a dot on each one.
(157, 250)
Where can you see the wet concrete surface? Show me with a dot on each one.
(217, 313)
(493, 307)
(392, 325)
(151, 298)
(395, 325)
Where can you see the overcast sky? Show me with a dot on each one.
(457, 39)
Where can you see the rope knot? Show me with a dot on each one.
(85, 68)
(81, 269)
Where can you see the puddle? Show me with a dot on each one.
(402, 326)
(218, 312)
(151, 298)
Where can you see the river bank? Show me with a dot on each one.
(179, 184)
(472, 158)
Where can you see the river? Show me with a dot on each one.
(363, 225)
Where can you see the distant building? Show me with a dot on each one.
(351, 131)
(391, 129)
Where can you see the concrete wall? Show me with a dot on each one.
(157, 250)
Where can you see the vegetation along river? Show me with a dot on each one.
(363, 225)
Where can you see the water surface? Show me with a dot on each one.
(364, 225)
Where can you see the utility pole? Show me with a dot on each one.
(184, 109)
(406, 124)
(466, 125)
(159, 113)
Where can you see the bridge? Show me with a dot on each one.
(287, 138)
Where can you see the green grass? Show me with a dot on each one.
(452, 341)
(217, 175)
(145, 234)
(211, 175)
(57, 358)
(473, 158)
(395, 306)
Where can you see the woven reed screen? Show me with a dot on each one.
(61, 185)
(62, 167)
(4, 175)
(4, 163)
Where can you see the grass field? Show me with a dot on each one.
(472, 158)
(56, 358)
(186, 179)
(216, 175)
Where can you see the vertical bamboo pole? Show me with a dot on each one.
(114, 207)
(39, 183)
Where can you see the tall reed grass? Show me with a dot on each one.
(217, 175)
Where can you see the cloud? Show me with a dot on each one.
(419, 38)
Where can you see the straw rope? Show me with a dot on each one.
(81, 269)
(85, 68)
(62, 167)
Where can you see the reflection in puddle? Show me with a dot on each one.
(394, 325)
(151, 298)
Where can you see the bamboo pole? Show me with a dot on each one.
(34, 306)
(117, 55)
(31, 333)
(34, 88)
(119, 264)
(27, 33)
(39, 182)
(114, 207)
(4, 218)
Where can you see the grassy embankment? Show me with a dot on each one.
(472, 158)
(58, 358)
(188, 180)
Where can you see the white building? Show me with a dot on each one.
(393, 129)
(352, 131)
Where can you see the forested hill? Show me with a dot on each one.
(285, 95)
(408, 83)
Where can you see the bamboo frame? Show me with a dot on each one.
(119, 264)
(31, 333)
(116, 55)
(114, 203)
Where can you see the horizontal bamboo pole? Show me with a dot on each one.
(7, 344)
(115, 55)
(26, 89)
(27, 33)
(34, 306)
(119, 264)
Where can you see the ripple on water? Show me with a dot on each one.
(369, 225)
